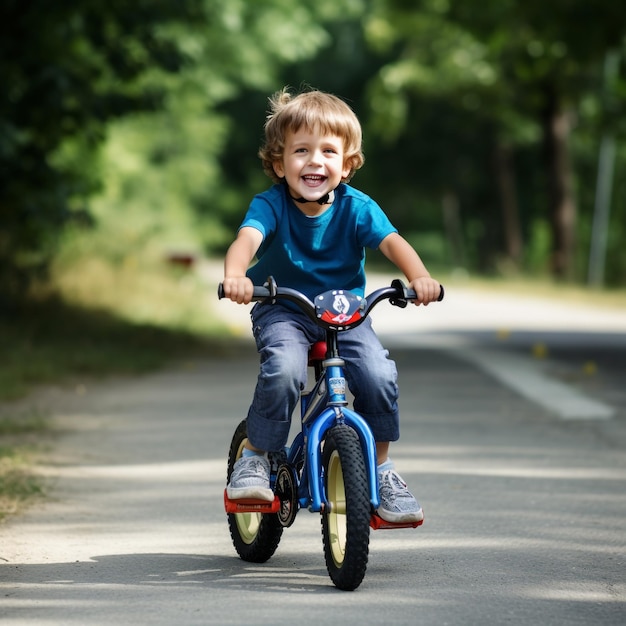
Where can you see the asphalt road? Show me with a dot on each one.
(524, 491)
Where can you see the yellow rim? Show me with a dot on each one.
(337, 524)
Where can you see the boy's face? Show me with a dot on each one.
(313, 164)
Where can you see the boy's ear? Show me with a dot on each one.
(279, 169)
(347, 168)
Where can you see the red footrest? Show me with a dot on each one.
(378, 523)
(249, 505)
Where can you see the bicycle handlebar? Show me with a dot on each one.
(397, 294)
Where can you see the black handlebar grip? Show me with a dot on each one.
(258, 294)
(441, 293)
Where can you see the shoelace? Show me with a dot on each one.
(252, 468)
(392, 486)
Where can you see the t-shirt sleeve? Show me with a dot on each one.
(260, 215)
(373, 224)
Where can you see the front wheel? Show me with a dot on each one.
(255, 535)
(345, 525)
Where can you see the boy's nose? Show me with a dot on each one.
(316, 156)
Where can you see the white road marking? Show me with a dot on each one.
(523, 375)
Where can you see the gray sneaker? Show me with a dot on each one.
(250, 479)
(397, 504)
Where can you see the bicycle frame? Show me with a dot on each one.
(321, 408)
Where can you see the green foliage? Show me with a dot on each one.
(68, 68)
(18, 484)
(49, 341)
(19, 432)
(509, 72)
(141, 121)
(27, 422)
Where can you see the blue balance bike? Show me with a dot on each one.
(330, 467)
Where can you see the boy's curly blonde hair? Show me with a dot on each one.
(314, 111)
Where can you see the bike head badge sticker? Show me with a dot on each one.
(341, 304)
(339, 307)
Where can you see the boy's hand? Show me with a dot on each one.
(238, 288)
(427, 289)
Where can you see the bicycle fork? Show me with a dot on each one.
(331, 391)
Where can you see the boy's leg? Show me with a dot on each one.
(373, 380)
(282, 345)
(282, 348)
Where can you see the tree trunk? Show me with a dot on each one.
(505, 175)
(557, 126)
(453, 228)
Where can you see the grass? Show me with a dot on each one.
(97, 319)
(18, 484)
(51, 341)
(54, 342)
(100, 319)
(22, 436)
(19, 425)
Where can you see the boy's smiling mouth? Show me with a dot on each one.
(313, 178)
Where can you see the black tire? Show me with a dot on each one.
(346, 525)
(255, 535)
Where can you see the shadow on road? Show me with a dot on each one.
(282, 573)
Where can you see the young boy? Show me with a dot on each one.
(310, 231)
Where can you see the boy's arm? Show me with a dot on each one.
(237, 286)
(400, 252)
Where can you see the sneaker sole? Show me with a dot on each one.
(401, 518)
(250, 493)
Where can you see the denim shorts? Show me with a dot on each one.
(283, 337)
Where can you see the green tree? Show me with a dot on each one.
(69, 68)
(522, 66)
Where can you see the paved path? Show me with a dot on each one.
(524, 508)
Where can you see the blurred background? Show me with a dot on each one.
(129, 134)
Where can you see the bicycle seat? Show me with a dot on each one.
(317, 352)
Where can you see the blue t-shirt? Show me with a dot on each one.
(315, 254)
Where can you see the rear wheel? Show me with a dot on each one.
(255, 535)
(345, 525)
